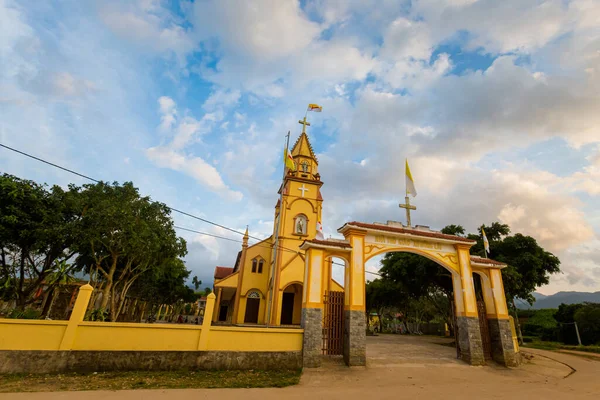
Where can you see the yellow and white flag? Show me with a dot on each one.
(315, 108)
(319, 235)
(410, 183)
(486, 243)
(288, 160)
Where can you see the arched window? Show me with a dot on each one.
(300, 223)
(253, 295)
(257, 265)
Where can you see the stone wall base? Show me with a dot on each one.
(503, 350)
(355, 338)
(312, 349)
(41, 361)
(469, 340)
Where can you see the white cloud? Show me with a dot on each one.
(195, 167)
(148, 25)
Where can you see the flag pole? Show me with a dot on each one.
(276, 245)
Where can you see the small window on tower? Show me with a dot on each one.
(304, 166)
(254, 265)
(260, 265)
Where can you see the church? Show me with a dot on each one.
(264, 287)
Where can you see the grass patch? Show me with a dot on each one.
(538, 344)
(147, 380)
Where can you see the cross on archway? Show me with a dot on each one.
(407, 206)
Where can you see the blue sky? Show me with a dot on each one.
(495, 104)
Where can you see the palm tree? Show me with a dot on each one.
(60, 277)
(196, 282)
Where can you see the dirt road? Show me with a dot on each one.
(401, 367)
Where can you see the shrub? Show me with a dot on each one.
(27, 313)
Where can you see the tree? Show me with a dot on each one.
(38, 228)
(124, 235)
(196, 282)
(164, 285)
(588, 322)
(566, 318)
(382, 293)
(456, 230)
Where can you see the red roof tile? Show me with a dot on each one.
(223, 272)
(334, 243)
(481, 260)
(414, 232)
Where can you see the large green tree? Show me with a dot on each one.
(38, 229)
(124, 235)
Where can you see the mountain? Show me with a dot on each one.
(553, 301)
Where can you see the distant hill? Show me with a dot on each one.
(553, 301)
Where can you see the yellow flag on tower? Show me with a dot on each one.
(410, 183)
(315, 108)
(288, 160)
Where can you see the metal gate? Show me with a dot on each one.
(333, 323)
(486, 341)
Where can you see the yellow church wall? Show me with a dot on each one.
(254, 280)
(230, 281)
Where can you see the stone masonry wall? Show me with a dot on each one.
(42, 361)
(469, 340)
(503, 351)
(355, 338)
(312, 322)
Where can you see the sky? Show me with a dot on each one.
(495, 104)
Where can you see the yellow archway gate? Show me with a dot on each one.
(363, 241)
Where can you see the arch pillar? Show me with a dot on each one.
(355, 332)
(467, 319)
(312, 307)
(503, 348)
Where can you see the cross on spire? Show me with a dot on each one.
(407, 206)
(304, 123)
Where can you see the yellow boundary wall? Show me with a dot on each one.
(76, 334)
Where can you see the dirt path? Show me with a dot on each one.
(402, 367)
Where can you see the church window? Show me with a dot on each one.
(257, 265)
(253, 295)
(300, 223)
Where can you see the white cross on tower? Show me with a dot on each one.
(303, 189)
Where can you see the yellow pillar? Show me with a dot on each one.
(466, 278)
(79, 309)
(313, 279)
(215, 313)
(355, 324)
(355, 273)
(469, 333)
(206, 323)
(497, 287)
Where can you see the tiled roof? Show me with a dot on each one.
(480, 260)
(334, 243)
(414, 232)
(223, 272)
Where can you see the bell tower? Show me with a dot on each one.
(296, 217)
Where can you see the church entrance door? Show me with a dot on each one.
(252, 306)
(287, 309)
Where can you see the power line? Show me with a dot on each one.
(49, 163)
(97, 181)
(170, 208)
